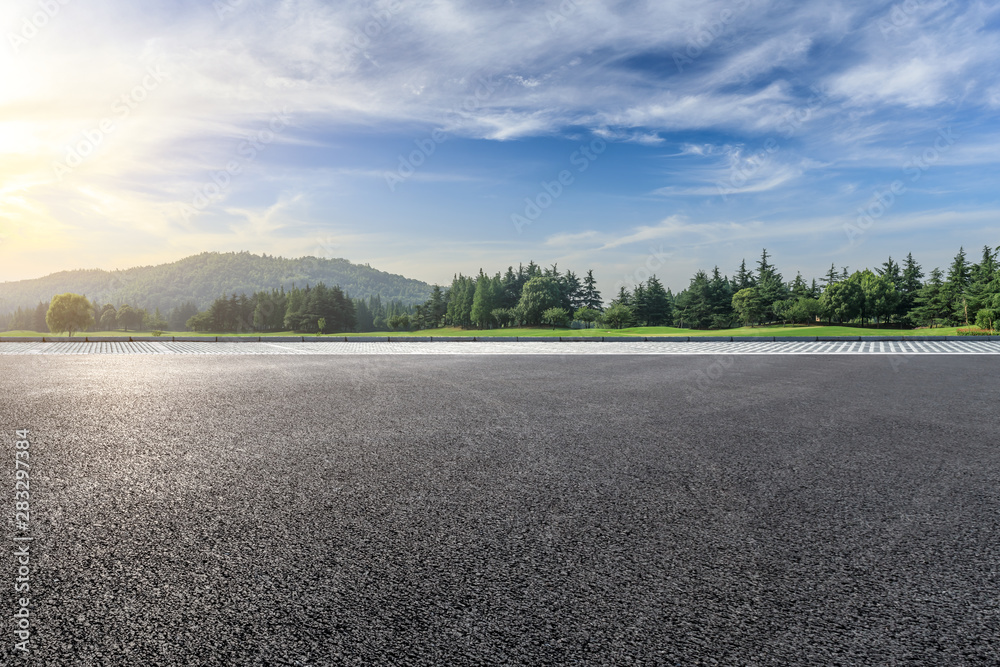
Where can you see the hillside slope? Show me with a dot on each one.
(202, 278)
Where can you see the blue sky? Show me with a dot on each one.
(432, 137)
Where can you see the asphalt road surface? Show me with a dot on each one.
(473, 510)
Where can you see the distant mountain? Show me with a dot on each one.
(205, 277)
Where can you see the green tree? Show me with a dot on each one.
(805, 310)
(538, 295)
(881, 296)
(200, 322)
(557, 317)
(845, 300)
(783, 310)
(748, 306)
(982, 282)
(618, 316)
(744, 278)
(154, 322)
(955, 288)
(831, 277)
(910, 284)
(587, 315)
(126, 317)
(321, 324)
(109, 318)
(591, 296)
(69, 312)
(693, 306)
(932, 301)
(437, 306)
(987, 318)
(504, 316)
(484, 301)
(659, 309)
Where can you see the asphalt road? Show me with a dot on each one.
(466, 510)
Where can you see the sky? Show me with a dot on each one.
(432, 137)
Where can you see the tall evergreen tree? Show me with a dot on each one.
(744, 278)
(484, 301)
(910, 284)
(659, 309)
(981, 279)
(955, 288)
(591, 296)
(931, 301)
(831, 277)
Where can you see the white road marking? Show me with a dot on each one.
(487, 347)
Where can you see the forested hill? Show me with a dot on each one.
(205, 277)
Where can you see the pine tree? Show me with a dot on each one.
(659, 309)
(484, 302)
(720, 291)
(931, 301)
(591, 296)
(640, 305)
(744, 278)
(910, 284)
(955, 288)
(982, 276)
(831, 277)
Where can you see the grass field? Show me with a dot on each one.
(791, 330)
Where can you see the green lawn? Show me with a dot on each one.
(791, 330)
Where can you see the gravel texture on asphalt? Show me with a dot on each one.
(525, 510)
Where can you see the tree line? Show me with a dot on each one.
(893, 293)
